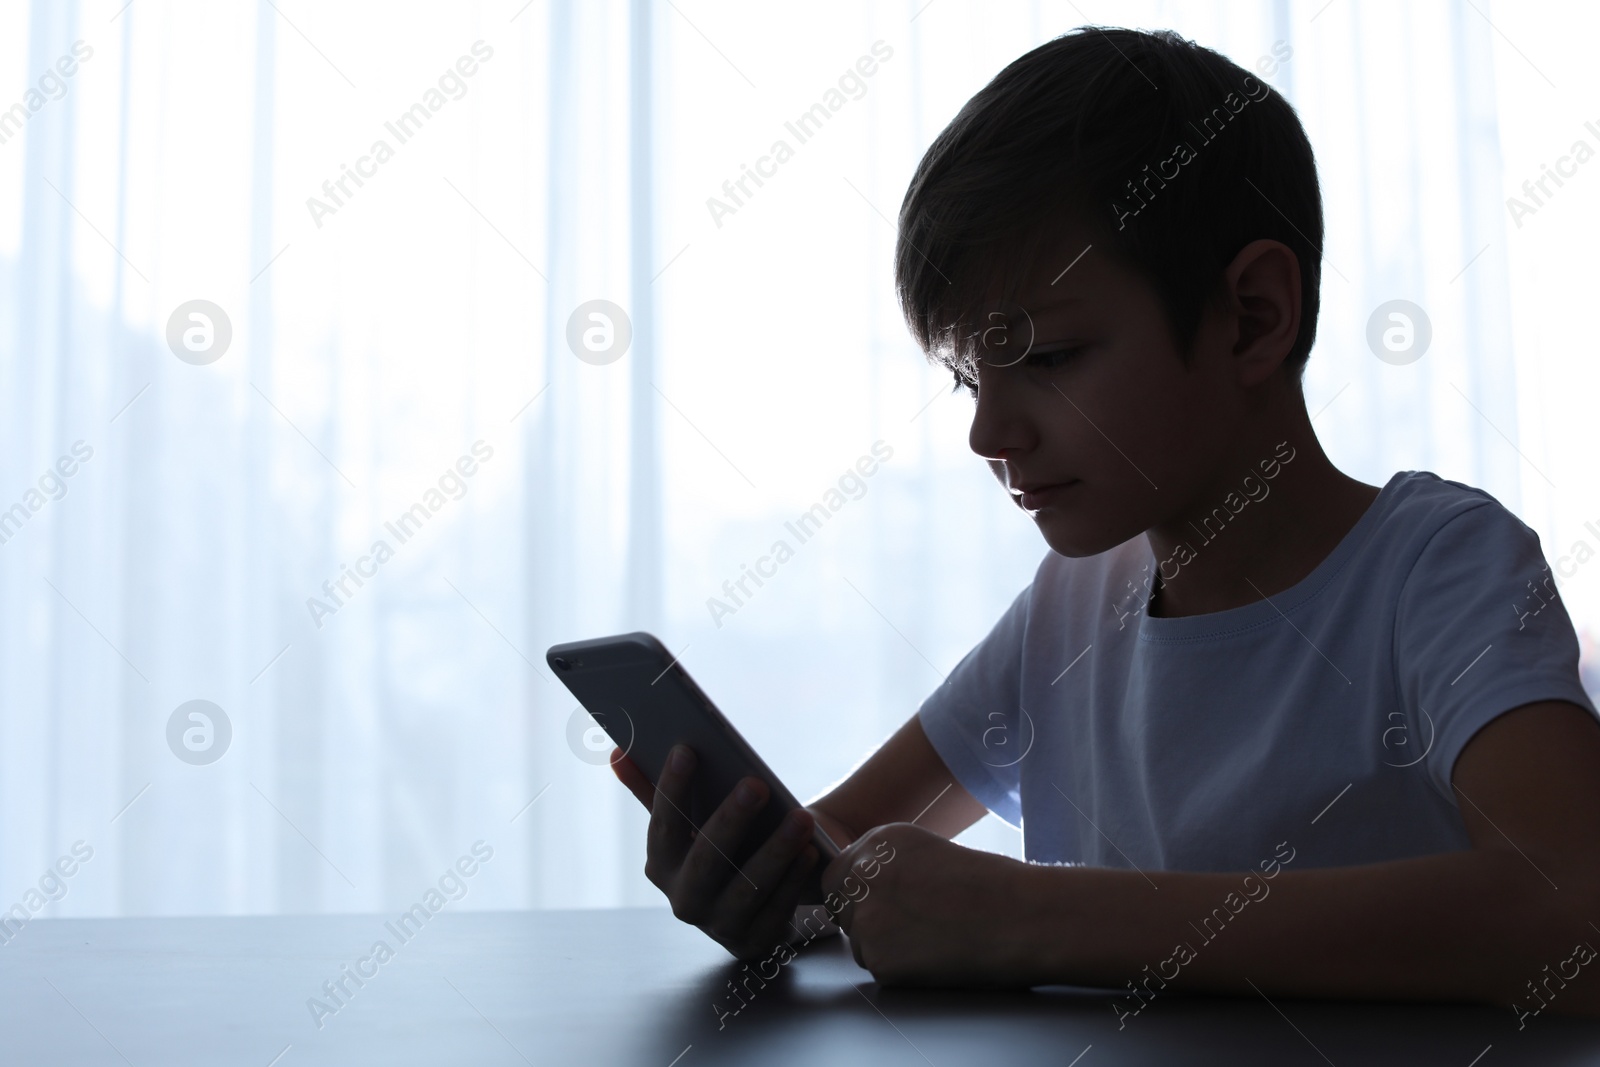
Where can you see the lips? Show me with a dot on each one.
(1018, 487)
(1034, 495)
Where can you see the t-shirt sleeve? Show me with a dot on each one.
(1480, 630)
(973, 719)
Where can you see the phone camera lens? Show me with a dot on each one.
(563, 664)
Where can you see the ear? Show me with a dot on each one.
(1262, 289)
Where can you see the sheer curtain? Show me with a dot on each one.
(352, 355)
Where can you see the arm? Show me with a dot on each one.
(1478, 925)
(1472, 925)
(903, 781)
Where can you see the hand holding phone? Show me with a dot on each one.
(748, 910)
(728, 844)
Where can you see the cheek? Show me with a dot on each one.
(1166, 435)
(1108, 427)
(1152, 423)
(1131, 439)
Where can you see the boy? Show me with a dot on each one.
(1267, 728)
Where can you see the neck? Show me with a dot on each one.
(1245, 535)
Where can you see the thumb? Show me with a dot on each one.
(629, 774)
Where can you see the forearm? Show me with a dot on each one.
(1475, 925)
(905, 780)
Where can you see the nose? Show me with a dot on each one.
(1000, 428)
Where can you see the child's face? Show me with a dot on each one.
(1083, 390)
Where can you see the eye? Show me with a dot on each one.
(964, 383)
(1051, 358)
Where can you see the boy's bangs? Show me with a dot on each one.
(957, 287)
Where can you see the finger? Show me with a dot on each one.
(708, 865)
(773, 923)
(629, 774)
(813, 921)
(669, 835)
(834, 886)
(855, 950)
(765, 871)
(838, 869)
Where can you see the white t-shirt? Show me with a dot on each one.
(1328, 716)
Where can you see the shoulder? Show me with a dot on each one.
(1422, 503)
(1432, 528)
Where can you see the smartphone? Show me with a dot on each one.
(642, 697)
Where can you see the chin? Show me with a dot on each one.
(1072, 536)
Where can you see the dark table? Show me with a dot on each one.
(634, 986)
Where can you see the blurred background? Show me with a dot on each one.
(275, 276)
